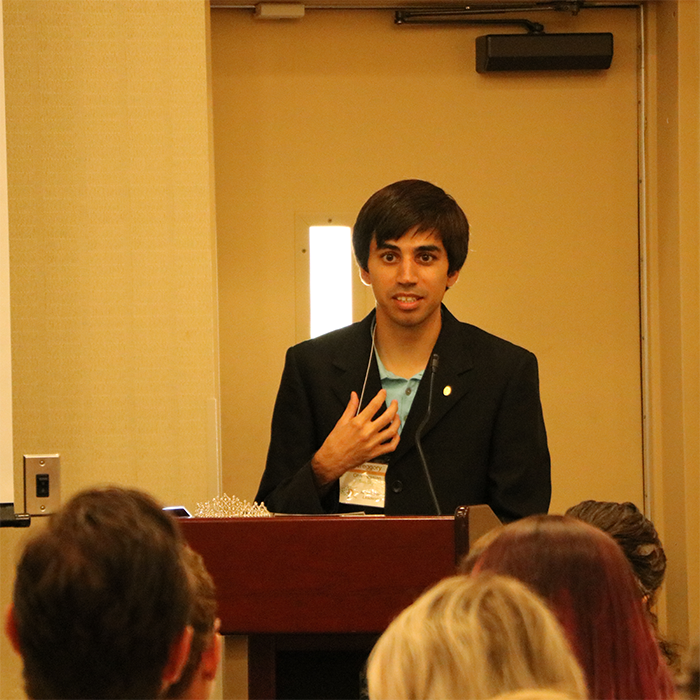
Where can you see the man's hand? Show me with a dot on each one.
(356, 439)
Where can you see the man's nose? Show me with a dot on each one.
(407, 272)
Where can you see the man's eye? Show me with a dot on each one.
(389, 257)
(426, 257)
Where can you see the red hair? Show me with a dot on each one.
(586, 579)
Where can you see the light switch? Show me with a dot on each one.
(42, 484)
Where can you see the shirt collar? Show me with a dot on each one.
(384, 373)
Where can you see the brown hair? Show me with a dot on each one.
(640, 542)
(101, 594)
(636, 535)
(202, 619)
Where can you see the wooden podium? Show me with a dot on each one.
(313, 593)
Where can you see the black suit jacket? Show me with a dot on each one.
(485, 441)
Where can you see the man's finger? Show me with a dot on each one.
(374, 405)
(350, 409)
(388, 446)
(389, 415)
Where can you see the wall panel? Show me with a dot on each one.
(112, 249)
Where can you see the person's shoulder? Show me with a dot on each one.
(480, 341)
(476, 334)
(335, 342)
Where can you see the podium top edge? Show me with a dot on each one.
(331, 517)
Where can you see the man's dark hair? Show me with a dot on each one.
(101, 595)
(411, 204)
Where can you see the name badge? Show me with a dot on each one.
(364, 485)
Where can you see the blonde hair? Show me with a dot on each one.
(534, 694)
(473, 637)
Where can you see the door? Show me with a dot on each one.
(312, 116)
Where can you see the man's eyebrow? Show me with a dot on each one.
(431, 248)
(387, 246)
(427, 248)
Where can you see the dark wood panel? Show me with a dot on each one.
(320, 574)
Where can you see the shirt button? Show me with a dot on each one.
(397, 487)
(408, 391)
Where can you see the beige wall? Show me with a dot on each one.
(112, 241)
(673, 306)
(111, 234)
(11, 541)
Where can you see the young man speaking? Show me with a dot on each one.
(358, 406)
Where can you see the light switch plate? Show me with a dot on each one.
(42, 484)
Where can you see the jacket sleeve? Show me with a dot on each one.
(519, 469)
(287, 485)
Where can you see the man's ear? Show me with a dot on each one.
(211, 656)
(11, 628)
(364, 276)
(452, 279)
(179, 653)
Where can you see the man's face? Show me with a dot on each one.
(409, 277)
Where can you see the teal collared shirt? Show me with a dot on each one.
(399, 389)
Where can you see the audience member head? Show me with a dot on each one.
(534, 694)
(473, 637)
(636, 535)
(587, 581)
(688, 679)
(102, 600)
(469, 559)
(411, 206)
(199, 674)
(640, 542)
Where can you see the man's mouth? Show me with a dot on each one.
(406, 298)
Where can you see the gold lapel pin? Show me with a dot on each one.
(447, 390)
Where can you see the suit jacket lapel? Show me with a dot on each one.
(452, 380)
(350, 359)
